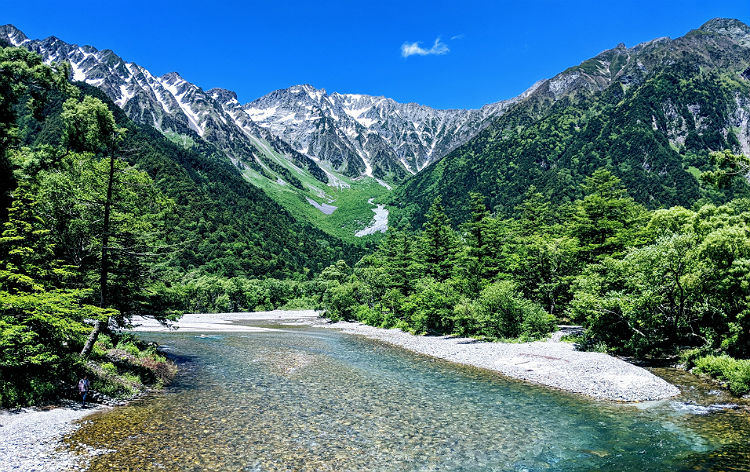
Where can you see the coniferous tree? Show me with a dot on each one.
(606, 220)
(477, 250)
(121, 206)
(438, 243)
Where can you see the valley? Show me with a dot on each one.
(310, 279)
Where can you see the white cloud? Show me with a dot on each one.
(410, 49)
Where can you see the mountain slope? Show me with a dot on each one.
(302, 146)
(194, 118)
(351, 134)
(221, 224)
(651, 114)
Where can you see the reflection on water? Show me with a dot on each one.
(306, 399)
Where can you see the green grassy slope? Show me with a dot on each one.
(292, 186)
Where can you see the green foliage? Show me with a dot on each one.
(342, 300)
(430, 308)
(427, 282)
(605, 220)
(40, 332)
(641, 282)
(735, 372)
(501, 312)
(729, 167)
(25, 85)
(687, 287)
(439, 243)
(89, 126)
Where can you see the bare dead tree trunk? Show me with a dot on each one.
(104, 272)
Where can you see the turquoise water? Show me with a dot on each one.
(307, 399)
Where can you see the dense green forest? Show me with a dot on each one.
(104, 219)
(645, 283)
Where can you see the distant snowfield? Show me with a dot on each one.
(324, 207)
(379, 221)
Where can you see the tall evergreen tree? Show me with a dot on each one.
(439, 243)
(120, 207)
(477, 251)
(606, 220)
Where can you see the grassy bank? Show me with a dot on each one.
(732, 373)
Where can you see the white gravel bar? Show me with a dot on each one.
(30, 438)
(224, 322)
(551, 363)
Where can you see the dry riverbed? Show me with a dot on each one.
(32, 438)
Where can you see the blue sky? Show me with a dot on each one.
(457, 54)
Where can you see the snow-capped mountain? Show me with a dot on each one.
(368, 134)
(352, 134)
(169, 103)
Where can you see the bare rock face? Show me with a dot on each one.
(365, 134)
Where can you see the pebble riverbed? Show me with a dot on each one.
(551, 363)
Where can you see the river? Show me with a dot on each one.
(314, 399)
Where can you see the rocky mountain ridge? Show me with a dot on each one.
(651, 114)
(349, 133)
(380, 131)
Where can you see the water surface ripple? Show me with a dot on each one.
(307, 399)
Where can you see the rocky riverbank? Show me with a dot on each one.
(551, 363)
(32, 437)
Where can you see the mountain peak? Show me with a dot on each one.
(735, 29)
(172, 77)
(222, 94)
(14, 35)
(313, 92)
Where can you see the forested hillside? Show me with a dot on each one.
(651, 115)
(220, 224)
(105, 219)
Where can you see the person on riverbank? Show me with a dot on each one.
(83, 389)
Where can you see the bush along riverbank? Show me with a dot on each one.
(119, 368)
(733, 374)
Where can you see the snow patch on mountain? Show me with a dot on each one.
(379, 222)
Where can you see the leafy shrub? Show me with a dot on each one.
(503, 313)
(537, 323)
(735, 372)
(690, 356)
(367, 315)
(465, 318)
(343, 301)
(105, 341)
(431, 307)
(129, 347)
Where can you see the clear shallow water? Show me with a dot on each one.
(306, 399)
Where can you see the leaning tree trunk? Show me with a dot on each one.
(104, 272)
